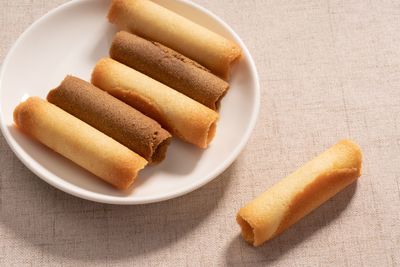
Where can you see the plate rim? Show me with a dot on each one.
(101, 198)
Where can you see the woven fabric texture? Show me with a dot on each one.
(329, 70)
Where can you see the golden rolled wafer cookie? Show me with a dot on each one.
(299, 193)
(179, 114)
(79, 142)
(113, 117)
(169, 67)
(154, 22)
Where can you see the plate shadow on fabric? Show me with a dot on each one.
(69, 227)
(294, 236)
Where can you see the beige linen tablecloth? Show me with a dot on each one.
(329, 70)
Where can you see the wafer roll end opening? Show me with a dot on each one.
(161, 151)
(115, 7)
(247, 230)
(211, 132)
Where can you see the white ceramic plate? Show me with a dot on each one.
(69, 40)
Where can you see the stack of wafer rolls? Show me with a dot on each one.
(79, 142)
(112, 117)
(169, 67)
(179, 114)
(154, 22)
(167, 78)
(301, 192)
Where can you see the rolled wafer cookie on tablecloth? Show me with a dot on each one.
(113, 117)
(299, 193)
(154, 22)
(79, 142)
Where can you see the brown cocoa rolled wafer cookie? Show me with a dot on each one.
(169, 67)
(113, 117)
